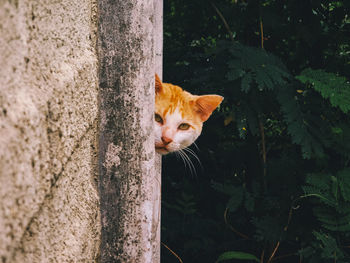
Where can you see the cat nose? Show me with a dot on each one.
(166, 140)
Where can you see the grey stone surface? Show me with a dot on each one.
(49, 209)
(129, 181)
(158, 50)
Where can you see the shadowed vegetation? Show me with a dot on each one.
(274, 185)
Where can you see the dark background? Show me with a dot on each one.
(274, 178)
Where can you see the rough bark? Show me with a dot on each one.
(128, 183)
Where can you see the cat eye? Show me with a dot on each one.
(158, 118)
(184, 126)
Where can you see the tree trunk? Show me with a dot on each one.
(129, 180)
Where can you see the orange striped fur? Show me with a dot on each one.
(179, 116)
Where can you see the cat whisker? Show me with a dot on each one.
(186, 161)
(182, 158)
(195, 144)
(190, 151)
(189, 161)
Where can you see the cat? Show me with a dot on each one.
(179, 116)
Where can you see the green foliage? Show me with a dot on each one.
(237, 255)
(236, 195)
(331, 86)
(276, 155)
(298, 126)
(268, 228)
(256, 68)
(324, 246)
(332, 192)
(261, 74)
(329, 246)
(185, 204)
(344, 183)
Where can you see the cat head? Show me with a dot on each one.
(179, 116)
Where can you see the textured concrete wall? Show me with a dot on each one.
(49, 208)
(129, 184)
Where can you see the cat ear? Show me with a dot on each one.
(206, 104)
(158, 85)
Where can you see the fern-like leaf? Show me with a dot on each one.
(329, 85)
(332, 190)
(344, 183)
(330, 247)
(297, 123)
(256, 68)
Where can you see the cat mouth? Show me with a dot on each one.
(162, 149)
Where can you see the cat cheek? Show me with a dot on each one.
(185, 139)
(157, 132)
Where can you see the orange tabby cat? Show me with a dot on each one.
(179, 116)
